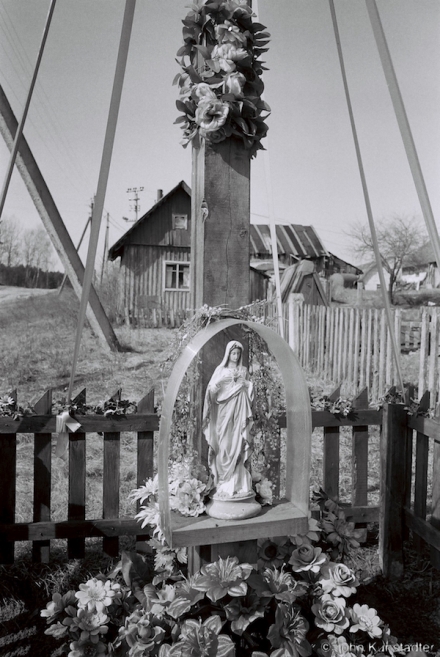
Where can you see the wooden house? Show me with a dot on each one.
(155, 256)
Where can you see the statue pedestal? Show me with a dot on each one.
(237, 508)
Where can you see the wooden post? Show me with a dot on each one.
(220, 228)
(359, 462)
(330, 462)
(77, 485)
(145, 455)
(393, 490)
(42, 478)
(54, 225)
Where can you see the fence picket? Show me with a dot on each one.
(42, 478)
(360, 456)
(110, 493)
(423, 351)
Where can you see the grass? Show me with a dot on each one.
(38, 334)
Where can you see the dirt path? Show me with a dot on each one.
(11, 293)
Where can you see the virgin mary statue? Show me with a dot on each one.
(227, 419)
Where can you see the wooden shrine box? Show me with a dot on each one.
(286, 517)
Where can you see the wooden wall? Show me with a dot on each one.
(142, 271)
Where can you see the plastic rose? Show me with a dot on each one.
(223, 577)
(187, 497)
(307, 558)
(211, 114)
(338, 579)
(234, 84)
(340, 532)
(330, 614)
(272, 551)
(96, 594)
(227, 32)
(87, 649)
(203, 640)
(365, 618)
(142, 632)
(202, 90)
(88, 623)
(225, 56)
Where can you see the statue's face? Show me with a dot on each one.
(234, 355)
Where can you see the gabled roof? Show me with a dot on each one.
(113, 252)
(300, 241)
(423, 256)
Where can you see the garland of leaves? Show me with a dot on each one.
(221, 87)
(9, 407)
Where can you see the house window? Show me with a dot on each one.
(180, 222)
(177, 276)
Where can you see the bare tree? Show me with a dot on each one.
(37, 254)
(399, 237)
(10, 241)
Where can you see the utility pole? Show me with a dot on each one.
(104, 256)
(136, 207)
(63, 282)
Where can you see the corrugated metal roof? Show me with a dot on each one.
(301, 241)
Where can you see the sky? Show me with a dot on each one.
(310, 151)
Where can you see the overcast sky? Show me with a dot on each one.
(312, 159)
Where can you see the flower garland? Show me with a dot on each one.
(220, 87)
(113, 406)
(294, 601)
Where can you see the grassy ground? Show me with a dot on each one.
(38, 336)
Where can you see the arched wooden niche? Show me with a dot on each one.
(287, 517)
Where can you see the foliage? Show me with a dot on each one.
(221, 87)
(399, 237)
(295, 602)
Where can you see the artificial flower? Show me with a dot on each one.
(89, 623)
(56, 606)
(234, 83)
(96, 594)
(86, 649)
(282, 586)
(338, 579)
(335, 646)
(340, 532)
(211, 114)
(289, 631)
(272, 551)
(313, 533)
(186, 597)
(227, 32)
(264, 490)
(330, 613)
(225, 56)
(307, 558)
(57, 630)
(142, 632)
(365, 618)
(203, 90)
(244, 610)
(199, 639)
(223, 577)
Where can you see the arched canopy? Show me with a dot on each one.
(287, 517)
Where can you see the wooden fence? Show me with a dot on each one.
(409, 489)
(75, 528)
(156, 318)
(353, 345)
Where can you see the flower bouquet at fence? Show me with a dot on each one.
(295, 601)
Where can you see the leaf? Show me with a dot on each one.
(181, 119)
(203, 50)
(135, 571)
(181, 106)
(258, 27)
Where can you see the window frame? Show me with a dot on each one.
(178, 263)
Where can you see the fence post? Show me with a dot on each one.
(42, 478)
(393, 489)
(145, 455)
(330, 462)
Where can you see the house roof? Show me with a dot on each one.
(300, 241)
(295, 239)
(115, 250)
